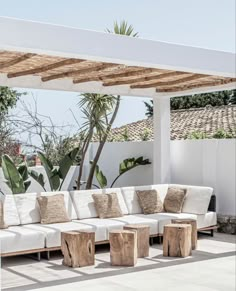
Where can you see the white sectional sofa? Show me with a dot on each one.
(26, 235)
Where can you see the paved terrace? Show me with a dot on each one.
(211, 267)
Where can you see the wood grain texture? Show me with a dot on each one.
(123, 247)
(16, 60)
(177, 240)
(143, 233)
(193, 223)
(78, 248)
(45, 68)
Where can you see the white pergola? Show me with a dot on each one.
(114, 65)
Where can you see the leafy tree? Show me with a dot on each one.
(197, 101)
(233, 97)
(8, 99)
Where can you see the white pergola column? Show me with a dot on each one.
(161, 144)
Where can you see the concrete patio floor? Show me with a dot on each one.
(211, 267)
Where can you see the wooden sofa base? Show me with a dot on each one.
(48, 250)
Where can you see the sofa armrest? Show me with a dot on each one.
(212, 204)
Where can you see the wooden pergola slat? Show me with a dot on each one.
(143, 79)
(45, 68)
(172, 82)
(72, 73)
(197, 85)
(119, 69)
(16, 60)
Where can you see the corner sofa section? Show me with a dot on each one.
(26, 235)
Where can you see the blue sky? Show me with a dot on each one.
(203, 23)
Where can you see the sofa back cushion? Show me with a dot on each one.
(197, 198)
(131, 198)
(11, 216)
(28, 208)
(84, 203)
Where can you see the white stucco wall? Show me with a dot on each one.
(197, 162)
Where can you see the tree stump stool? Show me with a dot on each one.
(177, 240)
(193, 222)
(78, 248)
(143, 233)
(123, 247)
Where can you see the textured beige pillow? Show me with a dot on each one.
(107, 205)
(52, 209)
(2, 223)
(174, 200)
(150, 201)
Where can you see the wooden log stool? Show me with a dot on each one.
(78, 248)
(177, 240)
(123, 247)
(143, 233)
(193, 222)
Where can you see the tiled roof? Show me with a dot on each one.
(206, 120)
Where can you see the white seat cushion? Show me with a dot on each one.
(203, 220)
(101, 227)
(140, 219)
(131, 199)
(165, 218)
(18, 238)
(11, 216)
(197, 199)
(28, 208)
(84, 204)
(52, 232)
(206, 220)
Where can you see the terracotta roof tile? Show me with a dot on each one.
(206, 120)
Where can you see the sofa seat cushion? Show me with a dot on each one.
(11, 217)
(18, 238)
(131, 198)
(28, 207)
(203, 220)
(101, 227)
(165, 218)
(206, 220)
(52, 232)
(197, 199)
(140, 219)
(84, 203)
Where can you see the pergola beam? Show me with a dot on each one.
(158, 76)
(192, 86)
(45, 68)
(94, 68)
(15, 61)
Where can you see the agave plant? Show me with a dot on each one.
(16, 177)
(125, 166)
(56, 175)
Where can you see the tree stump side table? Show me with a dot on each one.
(143, 233)
(78, 248)
(177, 240)
(193, 222)
(123, 247)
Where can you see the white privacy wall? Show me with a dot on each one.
(115, 152)
(207, 163)
(193, 162)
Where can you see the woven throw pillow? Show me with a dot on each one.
(2, 223)
(174, 200)
(150, 201)
(52, 209)
(107, 205)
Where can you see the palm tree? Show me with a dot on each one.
(95, 108)
(123, 29)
